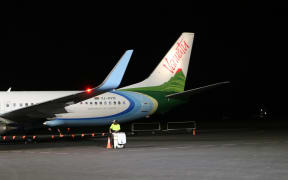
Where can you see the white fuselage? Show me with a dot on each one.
(105, 104)
(99, 110)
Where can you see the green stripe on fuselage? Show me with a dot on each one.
(174, 85)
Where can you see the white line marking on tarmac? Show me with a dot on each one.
(161, 148)
(16, 151)
(30, 152)
(4, 151)
(229, 144)
(268, 142)
(62, 153)
(182, 147)
(132, 150)
(209, 145)
(112, 150)
(44, 152)
(251, 143)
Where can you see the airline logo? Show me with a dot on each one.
(171, 63)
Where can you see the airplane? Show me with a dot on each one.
(159, 93)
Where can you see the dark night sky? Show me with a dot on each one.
(74, 48)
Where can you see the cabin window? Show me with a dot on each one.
(86, 102)
(7, 105)
(21, 104)
(31, 104)
(109, 102)
(81, 102)
(100, 102)
(91, 103)
(119, 102)
(95, 103)
(26, 104)
(105, 102)
(114, 102)
(14, 104)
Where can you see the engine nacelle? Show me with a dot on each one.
(6, 126)
(3, 128)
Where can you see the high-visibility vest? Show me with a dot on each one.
(115, 127)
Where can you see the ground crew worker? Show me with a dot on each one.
(115, 127)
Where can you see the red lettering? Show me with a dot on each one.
(173, 64)
(186, 45)
(168, 68)
(180, 50)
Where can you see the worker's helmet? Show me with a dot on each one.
(115, 121)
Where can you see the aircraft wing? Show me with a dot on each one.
(49, 108)
(187, 94)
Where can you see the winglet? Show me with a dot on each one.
(114, 78)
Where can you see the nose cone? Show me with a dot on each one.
(53, 123)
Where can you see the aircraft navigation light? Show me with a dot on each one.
(88, 90)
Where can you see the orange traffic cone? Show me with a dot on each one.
(194, 132)
(103, 134)
(109, 143)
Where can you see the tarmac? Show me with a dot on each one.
(218, 155)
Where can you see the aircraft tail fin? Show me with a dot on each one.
(171, 72)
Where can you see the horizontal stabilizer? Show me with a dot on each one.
(187, 94)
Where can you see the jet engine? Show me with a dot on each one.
(6, 126)
(3, 128)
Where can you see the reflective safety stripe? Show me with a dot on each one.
(115, 127)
